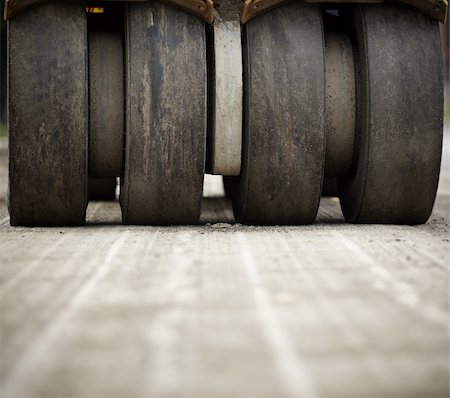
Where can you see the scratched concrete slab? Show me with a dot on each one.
(225, 310)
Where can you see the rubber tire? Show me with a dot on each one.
(166, 116)
(106, 104)
(284, 138)
(48, 116)
(400, 116)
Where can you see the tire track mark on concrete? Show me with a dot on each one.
(17, 278)
(407, 296)
(31, 359)
(369, 364)
(50, 297)
(292, 371)
(177, 292)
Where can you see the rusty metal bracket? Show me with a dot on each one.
(204, 8)
(14, 7)
(435, 8)
(200, 8)
(252, 8)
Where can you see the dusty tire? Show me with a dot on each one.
(284, 143)
(106, 104)
(166, 116)
(399, 124)
(48, 115)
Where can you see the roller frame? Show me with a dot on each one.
(201, 8)
(252, 8)
(106, 104)
(434, 8)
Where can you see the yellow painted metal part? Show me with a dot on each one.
(95, 10)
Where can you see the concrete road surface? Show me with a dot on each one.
(225, 310)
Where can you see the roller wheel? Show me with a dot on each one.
(399, 127)
(166, 116)
(106, 104)
(283, 149)
(48, 115)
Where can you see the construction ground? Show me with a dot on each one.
(225, 310)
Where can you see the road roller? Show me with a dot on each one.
(278, 97)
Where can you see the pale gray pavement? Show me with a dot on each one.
(224, 310)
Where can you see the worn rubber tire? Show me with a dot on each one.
(284, 139)
(48, 115)
(399, 126)
(166, 116)
(106, 104)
